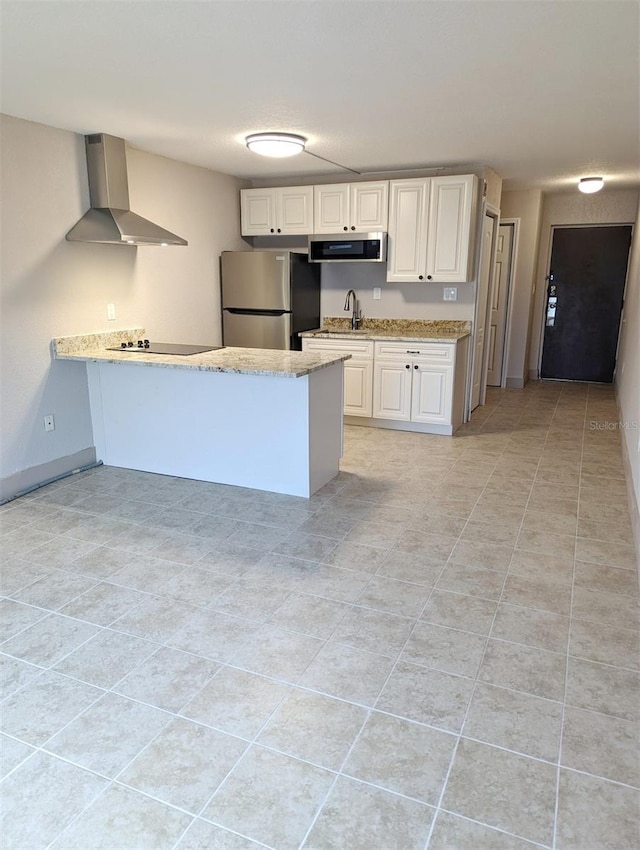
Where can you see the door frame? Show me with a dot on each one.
(515, 223)
(493, 212)
(543, 313)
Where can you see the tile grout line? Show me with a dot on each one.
(352, 605)
(439, 806)
(556, 816)
(459, 734)
(357, 737)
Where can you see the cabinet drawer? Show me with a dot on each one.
(439, 352)
(357, 348)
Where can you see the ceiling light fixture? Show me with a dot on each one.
(281, 145)
(588, 185)
(276, 144)
(285, 144)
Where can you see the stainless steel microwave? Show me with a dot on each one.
(348, 248)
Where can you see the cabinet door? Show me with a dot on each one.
(358, 372)
(450, 224)
(257, 212)
(358, 387)
(392, 390)
(294, 210)
(331, 208)
(431, 393)
(369, 205)
(408, 230)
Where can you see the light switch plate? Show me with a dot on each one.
(377, 293)
(111, 312)
(450, 293)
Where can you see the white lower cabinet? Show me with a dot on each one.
(358, 371)
(431, 393)
(358, 385)
(412, 386)
(392, 390)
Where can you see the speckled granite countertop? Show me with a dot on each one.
(239, 361)
(425, 330)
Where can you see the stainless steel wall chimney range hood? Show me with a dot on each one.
(110, 219)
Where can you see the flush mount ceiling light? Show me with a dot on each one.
(590, 184)
(276, 144)
(281, 145)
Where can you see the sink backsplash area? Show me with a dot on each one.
(421, 327)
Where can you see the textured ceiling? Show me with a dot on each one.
(544, 92)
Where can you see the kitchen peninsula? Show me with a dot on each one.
(268, 420)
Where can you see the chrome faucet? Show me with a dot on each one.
(356, 316)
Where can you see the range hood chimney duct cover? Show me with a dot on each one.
(110, 220)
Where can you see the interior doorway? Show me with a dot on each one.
(585, 292)
(499, 303)
(478, 381)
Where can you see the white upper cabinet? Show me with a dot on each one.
(331, 208)
(369, 206)
(294, 209)
(430, 220)
(431, 223)
(450, 228)
(257, 211)
(408, 224)
(285, 210)
(359, 207)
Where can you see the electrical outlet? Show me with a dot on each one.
(111, 312)
(49, 422)
(450, 293)
(377, 293)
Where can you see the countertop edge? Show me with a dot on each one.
(374, 336)
(161, 361)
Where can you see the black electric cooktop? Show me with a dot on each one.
(144, 346)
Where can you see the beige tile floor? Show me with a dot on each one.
(440, 649)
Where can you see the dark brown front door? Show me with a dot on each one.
(584, 302)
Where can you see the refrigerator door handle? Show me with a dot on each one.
(243, 311)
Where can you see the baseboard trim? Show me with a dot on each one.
(634, 507)
(515, 383)
(399, 425)
(21, 482)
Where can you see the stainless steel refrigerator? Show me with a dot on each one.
(268, 298)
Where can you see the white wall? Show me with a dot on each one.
(50, 287)
(628, 374)
(606, 207)
(398, 300)
(526, 207)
